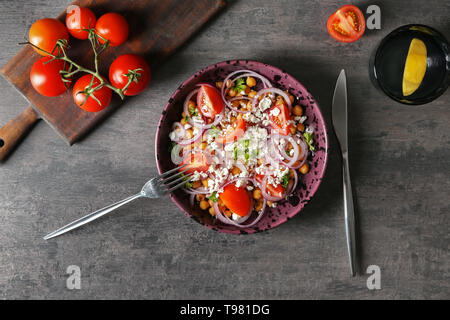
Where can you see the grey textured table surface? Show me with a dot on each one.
(400, 161)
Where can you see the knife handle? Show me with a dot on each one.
(12, 132)
(349, 213)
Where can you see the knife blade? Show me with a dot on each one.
(340, 123)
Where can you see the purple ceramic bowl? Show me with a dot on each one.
(308, 183)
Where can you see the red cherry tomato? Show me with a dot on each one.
(279, 117)
(236, 199)
(122, 66)
(234, 134)
(273, 191)
(209, 101)
(45, 32)
(113, 27)
(195, 161)
(347, 24)
(103, 95)
(79, 19)
(46, 79)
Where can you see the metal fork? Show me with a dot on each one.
(154, 188)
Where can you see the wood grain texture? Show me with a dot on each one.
(12, 132)
(399, 159)
(157, 29)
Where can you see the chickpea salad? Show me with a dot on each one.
(242, 145)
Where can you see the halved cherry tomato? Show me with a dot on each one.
(209, 101)
(236, 199)
(347, 24)
(90, 104)
(273, 191)
(78, 19)
(195, 161)
(45, 77)
(279, 119)
(233, 134)
(124, 65)
(45, 32)
(113, 27)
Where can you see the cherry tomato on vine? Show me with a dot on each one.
(78, 19)
(125, 64)
(45, 77)
(103, 95)
(113, 27)
(347, 24)
(45, 32)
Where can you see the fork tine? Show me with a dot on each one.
(177, 186)
(178, 174)
(170, 171)
(171, 183)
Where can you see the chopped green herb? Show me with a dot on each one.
(186, 118)
(235, 153)
(213, 197)
(214, 131)
(309, 140)
(285, 180)
(193, 111)
(239, 85)
(189, 184)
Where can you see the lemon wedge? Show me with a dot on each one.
(415, 67)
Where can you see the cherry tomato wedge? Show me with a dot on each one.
(233, 134)
(113, 27)
(209, 101)
(277, 191)
(103, 95)
(195, 161)
(126, 64)
(45, 32)
(279, 117)
(46, 79)
(236, 199)
(347, 24)
(78, 19)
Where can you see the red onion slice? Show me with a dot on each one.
(272, 90)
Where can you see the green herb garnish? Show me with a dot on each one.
(285, 180)
(309, 140)
(213, 197)
(235, 153)
(239, 85)
(193, 111)
(189, 184)
(214, 131)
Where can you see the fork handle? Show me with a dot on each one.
(91, 217)
(349, 214)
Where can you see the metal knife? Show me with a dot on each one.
(339, 115)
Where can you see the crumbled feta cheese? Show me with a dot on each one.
(187, 126)
(275, 112)
(265, 104)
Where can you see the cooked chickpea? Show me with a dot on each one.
(293, 129)
(251, 82)
(228, 213)
(297, 110)
(191, 104)
(269, 203)
(204, 205)
(291, 98)
(304, 169)
(183, 114)
(235, 170)
(189, 133)
(196, 184)
(183, 121)
(249, 105)
(258, 205)
(211, 203)
(229, 83)
(204, 145)
(257, 194)
(205, 182)
(232, 92)
(211, 211)
(252, 94)
(219, 84)
(301, 127)
(200, 197)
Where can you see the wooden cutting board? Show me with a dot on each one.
(157, 29)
